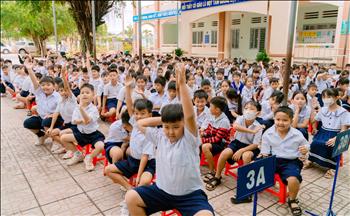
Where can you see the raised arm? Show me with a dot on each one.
(65, 80)
(186, 101)
(148, 122)
(32, 76)
(128, 82)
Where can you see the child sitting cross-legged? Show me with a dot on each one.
(214, 133)
(178, 185)
(85, 116)
(141, 159)
(244, 146)
(288, 144)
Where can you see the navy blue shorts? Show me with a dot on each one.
(130, 166)
(66, 126)
(286, 168)
(24, 93)
(217, 148)
(236, 145)
(85, 139)
(37, 123)
(76, 92)
(158, 200)
(109, 146)
(47, 122)
(111, 103)
(267, 123)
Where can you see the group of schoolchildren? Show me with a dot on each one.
(172, 111)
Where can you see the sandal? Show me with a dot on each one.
(296, 210)
(329, 174)
(210, 186)
(208, 177)
(308, 164)
(234, 200)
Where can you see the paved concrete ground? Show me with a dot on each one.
(35, 182)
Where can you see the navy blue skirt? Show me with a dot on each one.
(320, 153)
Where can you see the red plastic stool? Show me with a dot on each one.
(341, 160)
(282, 193)
(110, 119)
(170, 213)
(204, 162)
(229, 168)
(86, 150)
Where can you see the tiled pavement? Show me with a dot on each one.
(35, 182)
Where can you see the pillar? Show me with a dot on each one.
(157, 29)
(221, 35)
(343, 38)
(134, 30)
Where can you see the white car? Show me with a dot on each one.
(4, 49)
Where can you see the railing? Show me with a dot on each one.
(204, 45)
(169, 45)
(318, 53)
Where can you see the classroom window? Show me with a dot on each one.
(235, 38)
(197, 37)
(214, 37)
(257, 38)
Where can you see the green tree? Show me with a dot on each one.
(34, 20)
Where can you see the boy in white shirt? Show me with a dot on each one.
(110, 95)
(178, 183)
(200, 100)
(171, 95)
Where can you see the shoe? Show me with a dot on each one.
(68, 155)
(55, 147)
(234, 200)
(59, 151)
(77, 157)
(124, 211)
(89, 166)
(41, 141)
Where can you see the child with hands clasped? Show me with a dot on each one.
(178, 183)
(302, 113)
(288, 144)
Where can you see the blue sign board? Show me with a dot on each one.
(255, 177)
(341, 143)
(156, 15)
(200, 4)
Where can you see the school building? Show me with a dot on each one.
(242, 28)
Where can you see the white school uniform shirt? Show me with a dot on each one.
(332, 71)
(333, 121)
(177, 164)
(157, 99)
(310, 101)
(46, 104)
(116, 132)
(192, 90)
(267, 93)
(247, 94)
(168, 101)
(100, 89)
(304, 113)
(138, 144)
(27, 84)
(135, 95)
(66, 107)
(287, 148)
(248, 138)
(266, 82)
(201, 118)
(112, 91)
(96, 83)
(5, 77)
(266, 112)
(322, 85)
(92, 111)
(220, 122)
(18, 81)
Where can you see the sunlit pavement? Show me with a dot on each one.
(35, 182)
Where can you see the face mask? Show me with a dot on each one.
(328, 102)
(249, 115)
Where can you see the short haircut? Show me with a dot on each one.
(286, 110)
(343, 81)
(220, 71)
(87, 85)
(205, 82)
(121, 69)
(311, 85)
(47, 79)
(254, 103)
(274, 80)
(331, 92)
(219, 102)
(112, 70)
(125, 117)
(96, 68)
(299, 92)
(104, 74)
(57, 80)
(172, 85)
(172, 113)
(84, 70)
(278, 95)
(200, 94)
(141, 77)
(38, 75)
(160, 80)
(141, 104)
(236, 74)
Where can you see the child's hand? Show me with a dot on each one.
(237, 155)
(128, 80)
(331, 142)
(303, 150)
(79, 121)
(49, 131)
(180, 74)
(137, 181)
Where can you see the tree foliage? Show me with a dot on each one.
(34, 20)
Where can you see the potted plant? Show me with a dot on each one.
(262, 56)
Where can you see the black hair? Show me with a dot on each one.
(161, 80)
(121, 69)
(111, 70)
(60, 85)
(236, 74)
(172, 85)
(167, 74)
(38, 75)
(200, 94)
(87, 85)
(57, 80)
(220, 70)
(104, 74)
(343, 81)
(172, 113)
(254, 103)
(286, 110)
(274, 80)
(331, 92)
(84, 70)
(278, 95)
(311, 85)
(96, 68)
(232, 94)
(299, 92)
(125, 117)
(47, 79)
(141, 104)
(205, 82)
(141, 77)
(219, 102)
